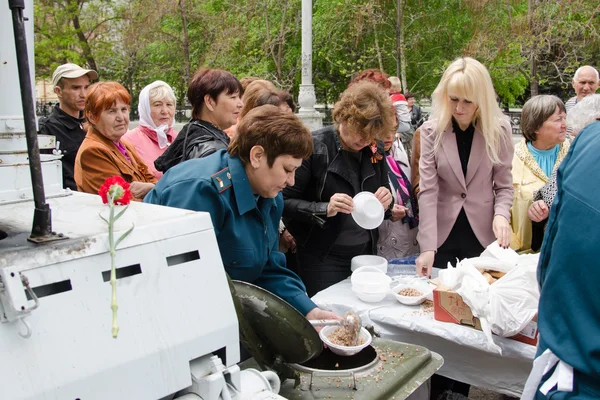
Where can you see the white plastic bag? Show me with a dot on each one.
(506, 306)
(514, 298)
(496, 258)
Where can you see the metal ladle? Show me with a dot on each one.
(351, 320)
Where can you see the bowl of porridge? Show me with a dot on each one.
(339, 340)
(412, 293)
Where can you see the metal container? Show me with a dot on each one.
(285, 342)
(385, 370)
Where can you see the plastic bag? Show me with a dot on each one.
(506, 306)
(514, 298)
(496, 258)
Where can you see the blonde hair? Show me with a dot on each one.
(396, 84)
(469, 79)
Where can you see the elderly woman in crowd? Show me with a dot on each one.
(215, 96)
(103, 154)
(404, 130)
(537, 156)
(241, 191)
(398, 235)
(465, 183)
(346, 160)
(400, 105)
(586, 112)
(155, 132)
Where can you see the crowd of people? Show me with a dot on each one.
(449, 186)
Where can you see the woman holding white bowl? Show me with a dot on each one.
(347, 159)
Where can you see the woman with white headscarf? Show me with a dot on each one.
(155, 132)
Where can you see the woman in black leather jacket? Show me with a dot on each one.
(346, 160)
(215, 95)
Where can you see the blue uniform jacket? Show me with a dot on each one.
(569, 269)
(246, 225)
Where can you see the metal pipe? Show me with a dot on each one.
(42, 222)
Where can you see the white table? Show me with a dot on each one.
(466, 358)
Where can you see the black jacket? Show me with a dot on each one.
(197, 139)
(69, 135)
(416, 118)
(319, 177)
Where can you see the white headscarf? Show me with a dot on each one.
(146, 118)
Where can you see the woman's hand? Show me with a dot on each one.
(340, 202)
(287, 241)
(384, 196)
(425, 263)
(502, 231)
(317, 313)
(140, 189)
(398, 212)
(538, 211)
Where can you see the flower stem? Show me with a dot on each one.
(113, 272)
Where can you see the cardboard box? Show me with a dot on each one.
(448, 306)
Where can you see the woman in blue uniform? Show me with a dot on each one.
(240, 188)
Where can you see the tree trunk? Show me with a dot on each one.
(377, 49)
(400, 50)
(85, 46)
(281, 45)
(185, 44)
(398, 42)
(533, 85)
(533, 80)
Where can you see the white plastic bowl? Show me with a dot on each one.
(370, 280)
(369, 261)
(344, 350)
(421, 286)
(370, 297)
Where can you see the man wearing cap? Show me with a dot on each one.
(70, 84)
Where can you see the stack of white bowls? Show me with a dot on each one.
(370, 261)
(370, 284)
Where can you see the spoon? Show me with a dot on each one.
(351, 320)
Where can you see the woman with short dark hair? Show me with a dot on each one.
(241, 191)
(544, 126)
(215, 96)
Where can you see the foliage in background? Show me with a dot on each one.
(529, 46)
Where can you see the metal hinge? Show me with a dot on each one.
(14, 304)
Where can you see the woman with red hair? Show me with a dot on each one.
(102, 153)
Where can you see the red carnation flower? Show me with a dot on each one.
(118, 189)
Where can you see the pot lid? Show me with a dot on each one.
(271, 329)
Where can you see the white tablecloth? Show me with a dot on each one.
(463, 348)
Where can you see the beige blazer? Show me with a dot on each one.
(486, 191)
